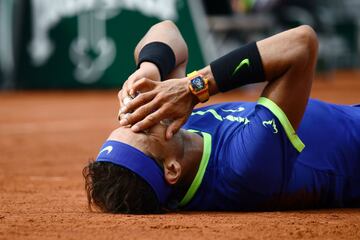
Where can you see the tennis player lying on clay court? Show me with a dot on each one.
(282, 152)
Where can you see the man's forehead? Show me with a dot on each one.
(123, 133)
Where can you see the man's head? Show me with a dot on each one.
(128, 183)
(116, 189)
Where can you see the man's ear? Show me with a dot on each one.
(172, 171)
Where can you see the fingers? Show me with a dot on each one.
(120, 97)
(156, 101)
(123, 94)
(141, 80)
(127, 92)
(124, 99)
(131, 80)
(151, 120)
(131, 88)
(140, 113)
(174, 127)
(137, 102)
(142, 85)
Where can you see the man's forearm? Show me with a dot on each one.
(154, 64)
(288, 61)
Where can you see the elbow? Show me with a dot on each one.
(306, 45)
(163, 26)
(308, 39)
(169, 24)
(166, 25)
(175, 40)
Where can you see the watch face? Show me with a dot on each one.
(198, 84)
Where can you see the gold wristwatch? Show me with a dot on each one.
(199, 86)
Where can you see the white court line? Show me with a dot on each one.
(54, 126)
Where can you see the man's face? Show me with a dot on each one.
(150, 142)
(167, 153)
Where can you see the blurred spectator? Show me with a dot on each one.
(244, 6)
(217, 7)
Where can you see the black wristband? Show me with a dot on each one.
(239, 67)
(161, 55)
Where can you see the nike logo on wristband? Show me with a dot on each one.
(244, 62)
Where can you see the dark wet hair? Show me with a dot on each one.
(115, 189)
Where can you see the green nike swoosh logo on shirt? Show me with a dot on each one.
(242, 63)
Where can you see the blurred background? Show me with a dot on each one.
(88, 44)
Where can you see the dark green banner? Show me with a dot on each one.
(90, 44)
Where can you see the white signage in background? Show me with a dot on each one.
(92, 51)
(92, 37)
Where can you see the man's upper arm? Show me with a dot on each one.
(289, 60)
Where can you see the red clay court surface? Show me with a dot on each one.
(47, 137)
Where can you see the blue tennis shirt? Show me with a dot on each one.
(253, 159)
